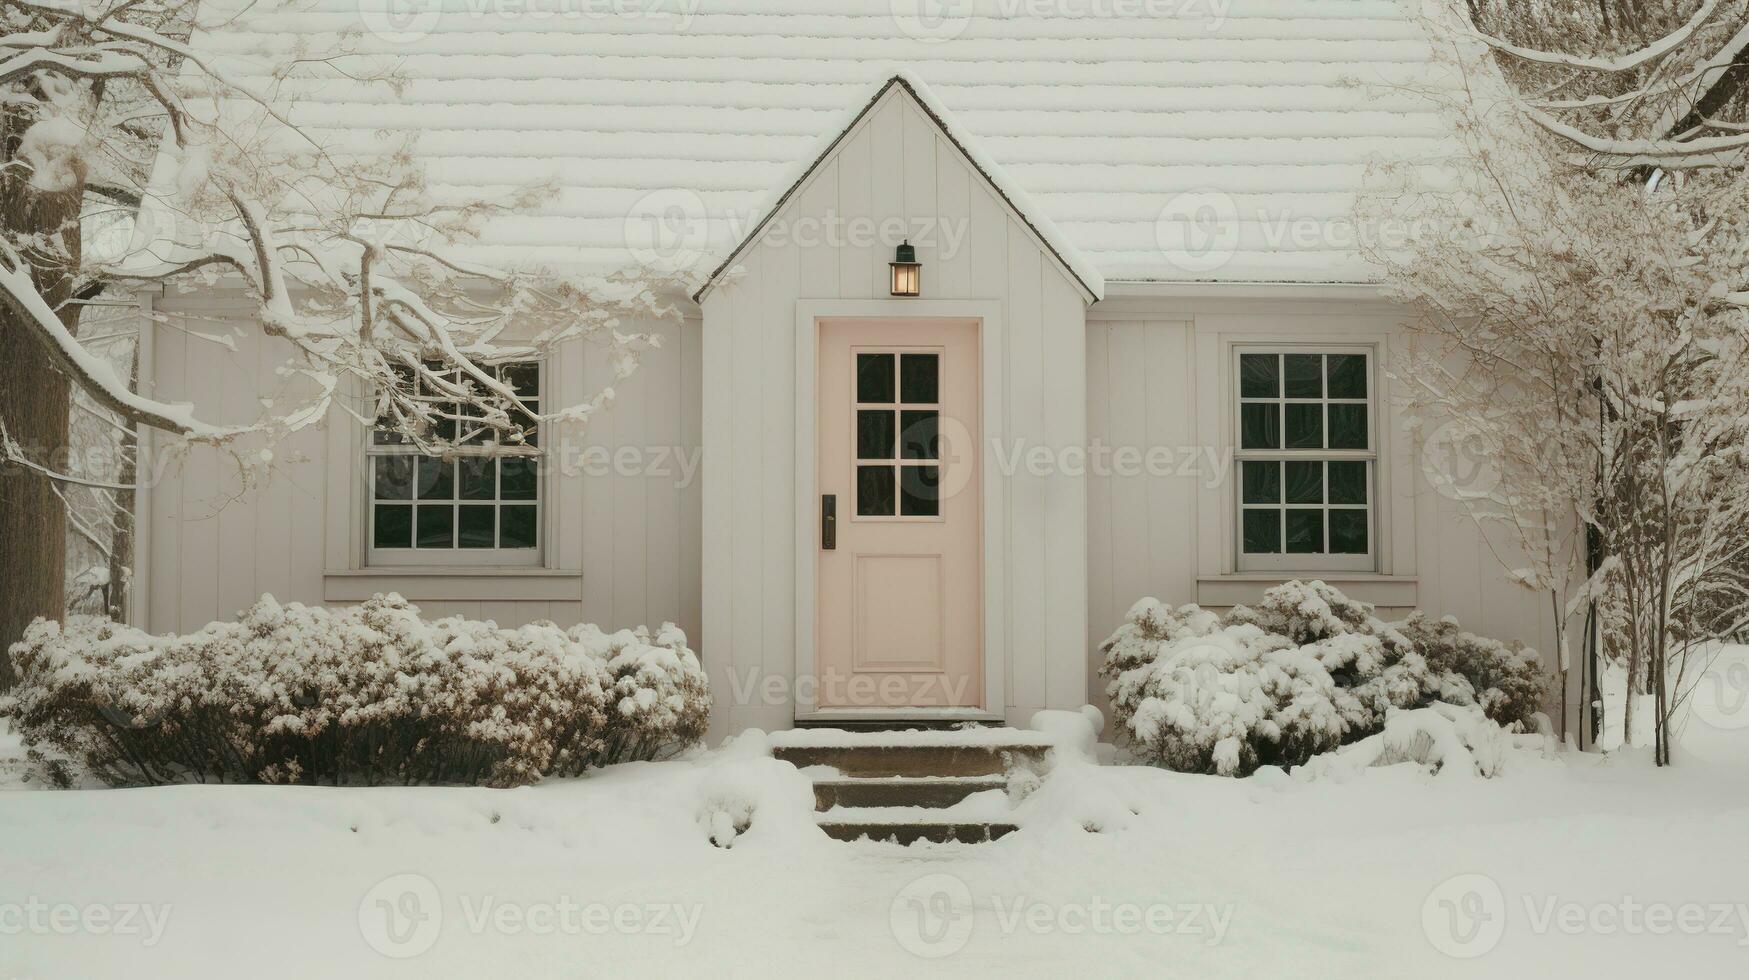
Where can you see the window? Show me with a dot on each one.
(898, 437)
(481, 504)
(1306, 457)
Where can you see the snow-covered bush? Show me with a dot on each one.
(1305, 671)
(358, 696)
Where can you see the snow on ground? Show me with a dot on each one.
(1560, 868)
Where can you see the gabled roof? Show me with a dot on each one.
(1074, 263)
(1101, 121)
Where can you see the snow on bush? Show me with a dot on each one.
(359, 696)
(1456, 741)
(1305, 671)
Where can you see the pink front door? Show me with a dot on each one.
(900, 577)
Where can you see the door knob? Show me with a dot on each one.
(829, 521)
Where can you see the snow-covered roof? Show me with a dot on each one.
(1124, 133)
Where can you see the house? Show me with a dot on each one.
(1056, 313)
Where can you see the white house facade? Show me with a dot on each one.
(863, 495)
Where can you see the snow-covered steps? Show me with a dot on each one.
(911, 785)
(910, 752)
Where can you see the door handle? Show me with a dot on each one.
(829, 521)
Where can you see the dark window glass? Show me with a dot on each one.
(1305, 426)
(394, 477)
(1303, 375)
(1348, 531)
(874, 491)
(516, 526)
(1262, 532)
(479, 478)
(444, 423)
(874, 433)
(920, 488)
(1347, 426)
(394, 526)
(524, 379)
(1347, 375)
(517, 478)
(1305, 482)
(436, 527)
(436, 478)
(920, 435)
(1347, 483)
(920, 377)
(1258, 376)
(1262, 482)
(1260, 427)
(476, 525)
(874, 377)
(1305, 531)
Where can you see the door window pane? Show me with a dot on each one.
(919, 377)
(920, 488)
(920, 434)
(1259, 376)
(874, 433)
(874, 377)
(1263, 531)
(874, 491)
(1303, 375)
(1305, 426)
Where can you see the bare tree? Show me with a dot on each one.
(114, 127)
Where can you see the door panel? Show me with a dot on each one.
(900, 595)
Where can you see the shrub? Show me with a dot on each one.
(359, 696)
(1307, 670)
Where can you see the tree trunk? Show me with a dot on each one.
(34, 402)
(121, 546)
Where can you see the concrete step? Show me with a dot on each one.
(888, 791)
(969, 832)
(915, 752)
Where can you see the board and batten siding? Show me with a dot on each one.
(623, 513)
(1158, 378)
(895, 163)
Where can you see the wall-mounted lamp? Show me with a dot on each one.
(907, 271)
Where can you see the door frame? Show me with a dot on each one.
(992, 392)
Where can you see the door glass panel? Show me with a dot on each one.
(921, 436)
(1303, 375)
(874, 491)
(1260, 426)
(1348, 531)
(1262, 532)
(1258, 376)
(1347, 426)
(1305, 531)
(921, 491)
(874, 377)
(1262, 482)
(1305, 482)
(920, 378)
(1305, 426)
(874, 433)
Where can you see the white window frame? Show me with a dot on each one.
(390, 558)
(1291, 563)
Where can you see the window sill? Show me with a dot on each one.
(454, 583)
(1392, 591)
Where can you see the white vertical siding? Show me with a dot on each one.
(893, 164)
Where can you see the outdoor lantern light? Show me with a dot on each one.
(907, 271)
